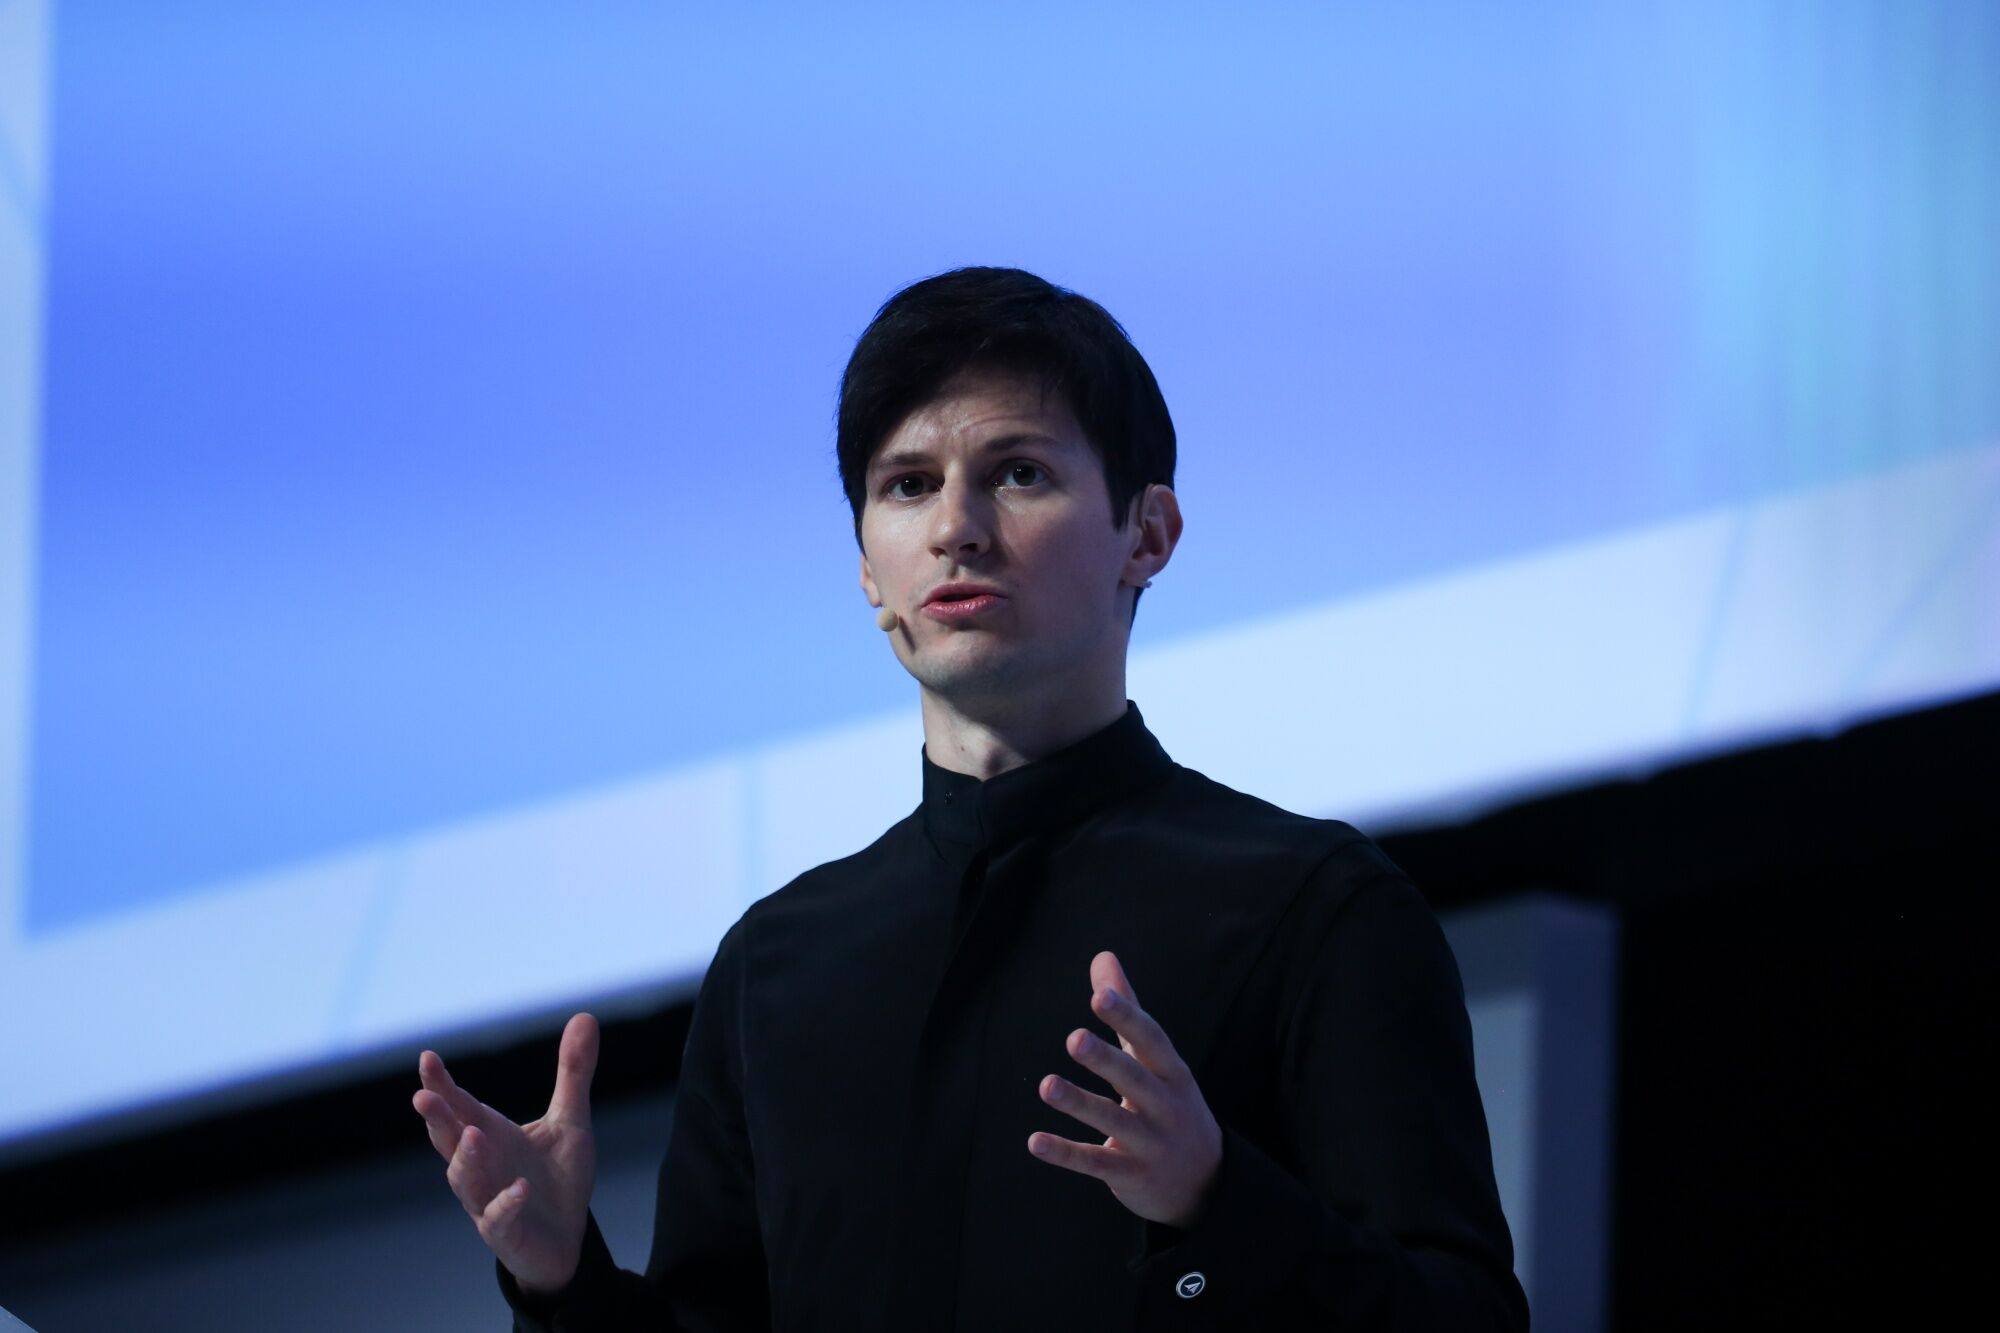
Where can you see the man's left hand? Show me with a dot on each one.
(1162, 1147)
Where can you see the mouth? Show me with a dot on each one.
(958, 609)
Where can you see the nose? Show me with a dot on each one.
(961, 519)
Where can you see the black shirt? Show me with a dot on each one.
(849, 1141)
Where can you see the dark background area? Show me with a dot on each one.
(1799, 1036)
(1798, 1032)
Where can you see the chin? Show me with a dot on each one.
(968, 669)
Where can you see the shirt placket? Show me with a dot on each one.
(949, 1061)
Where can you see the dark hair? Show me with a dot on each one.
(1008, 319)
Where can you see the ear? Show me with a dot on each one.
(1156, 531)
(868, 582)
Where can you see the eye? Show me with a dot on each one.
(889, 488)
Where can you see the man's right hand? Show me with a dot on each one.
(527, 1187)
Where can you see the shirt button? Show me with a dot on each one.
(1191, 1284)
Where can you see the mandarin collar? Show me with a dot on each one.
(1057, 789)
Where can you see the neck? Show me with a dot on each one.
(985, 738)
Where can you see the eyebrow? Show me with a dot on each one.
(916, 457)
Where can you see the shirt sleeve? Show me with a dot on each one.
(706, 1273)
(1386, 1215)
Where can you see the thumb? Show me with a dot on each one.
(576, 1062)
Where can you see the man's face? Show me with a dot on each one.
(991, 483)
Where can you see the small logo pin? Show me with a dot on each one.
(1190, 1284)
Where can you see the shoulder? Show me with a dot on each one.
(1331, 856)
(1334, 887)
(843, 884)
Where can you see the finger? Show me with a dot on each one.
(1107, 972)
(1100, 1113)
(1115, 1065)
(444, 1127)
(469, 1174)
(500, 1225)
(468, 1108)
(1105, 1162)
(576, 1062)
(1138, 1033)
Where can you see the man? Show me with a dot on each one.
(1087, 1040)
